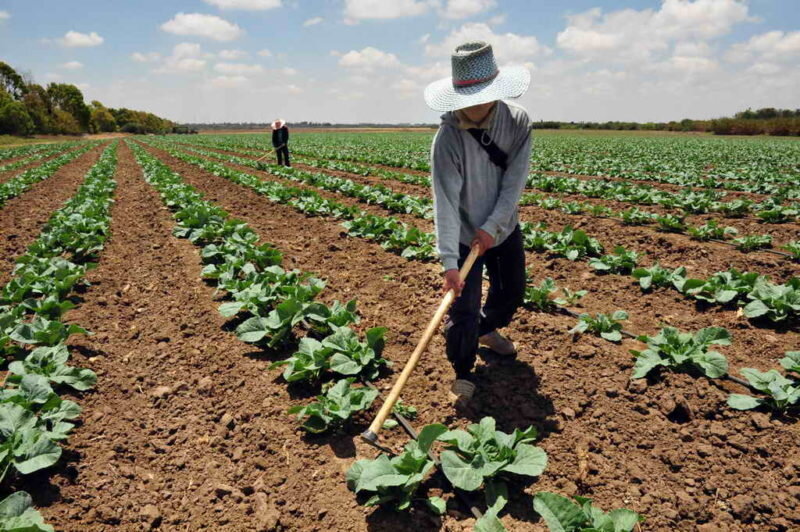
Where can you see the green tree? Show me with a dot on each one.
(102, 120)
(14, 119)
(69, 98)
(12, 82)
(64, 122)
(37, 103)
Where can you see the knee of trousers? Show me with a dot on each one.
(462, 319)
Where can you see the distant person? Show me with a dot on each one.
(280, 141)
(479, 164)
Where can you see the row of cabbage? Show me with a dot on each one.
(22, 182)
(672, 223)
(38, 155)
(766, 166)
(34, 418)
(21, 151)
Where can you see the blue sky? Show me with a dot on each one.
(369, 60)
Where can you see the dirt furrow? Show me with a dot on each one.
(22, 218)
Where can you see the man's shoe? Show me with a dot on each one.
(463, 391)
(498, 343)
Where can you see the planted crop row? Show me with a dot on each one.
(390, 233)
(673, 350)
(369, 194)
(688, 201)
(35, 156)
(19, 184)
(760, 297)
(20, 151)
(35, 417)
(711, 230)
(750, 165)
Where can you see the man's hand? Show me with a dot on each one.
(452, 281)
(484, 240)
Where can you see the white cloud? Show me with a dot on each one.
(313, 21)
(151, 57)
(692, 64)
(4, 15)
(497, 20)
(368, 59)
(265, 53)
(765, 69)
(247, 5)
(232, 55)
(633, 35)
(356, 10)
(72, 65)
(772, 45)
(228, 82)
(458, 9)
(693, 48)
(288, 71)
(425, 38)
(508, 47)
(210, 26)
(75, 39)
(83, 86)
(185, 57)
(238, 68)
(293, 89)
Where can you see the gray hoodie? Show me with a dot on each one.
(469, 191)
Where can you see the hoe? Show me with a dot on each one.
(371, 434)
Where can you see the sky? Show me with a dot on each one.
(349, 61)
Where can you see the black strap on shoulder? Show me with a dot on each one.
(496, 155)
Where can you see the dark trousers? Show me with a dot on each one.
(505, 265)
(283, 155)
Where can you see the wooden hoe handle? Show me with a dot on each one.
(371, 434)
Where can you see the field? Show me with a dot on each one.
(206, 294)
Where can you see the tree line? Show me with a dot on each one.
(27, 108)
(766, 121)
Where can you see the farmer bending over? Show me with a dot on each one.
(280, 141)
(479, 162)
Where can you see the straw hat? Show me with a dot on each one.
(476, 80)
(279, 123)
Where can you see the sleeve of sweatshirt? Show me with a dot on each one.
(514, 180)
(447, 181)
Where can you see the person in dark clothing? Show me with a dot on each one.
(280, 141)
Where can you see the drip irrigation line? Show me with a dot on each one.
(629, 334)
(772, 251)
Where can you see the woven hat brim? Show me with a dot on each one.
(511, 82)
